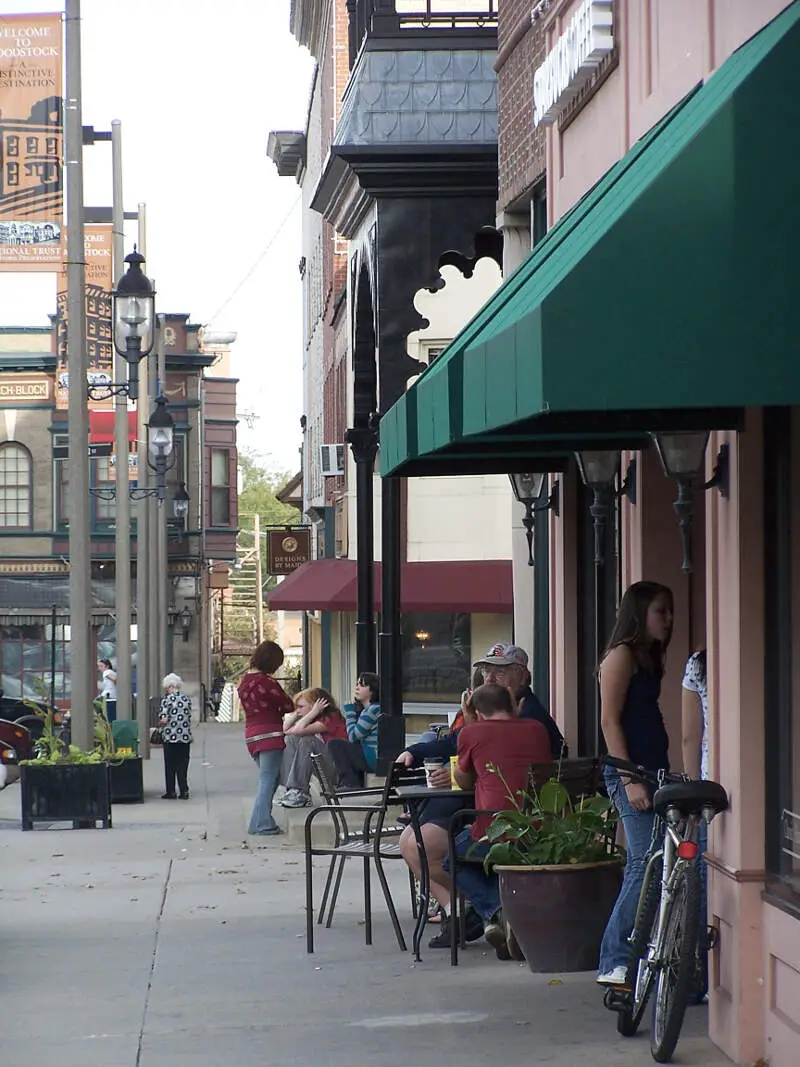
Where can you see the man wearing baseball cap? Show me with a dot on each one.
(508, 665)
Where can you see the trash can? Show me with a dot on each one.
(126, 735)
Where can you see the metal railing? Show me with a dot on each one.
(381, 18)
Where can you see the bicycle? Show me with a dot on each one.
(666, 950)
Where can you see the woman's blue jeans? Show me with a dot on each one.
(638, 826)
(269, 770)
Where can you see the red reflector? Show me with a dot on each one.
(687, 850)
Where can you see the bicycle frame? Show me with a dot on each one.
(683, 830)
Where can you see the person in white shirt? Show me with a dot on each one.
(108, 688)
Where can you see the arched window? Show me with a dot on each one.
(15, 487)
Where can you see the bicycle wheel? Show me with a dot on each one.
(676, 964)
(641, 975)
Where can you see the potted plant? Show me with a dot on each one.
(64, 783)
(559, 871)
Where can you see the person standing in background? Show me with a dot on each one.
(633, 727)
(108, 688)
(264, 703)
(176, 733)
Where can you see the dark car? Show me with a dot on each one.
(15, 744)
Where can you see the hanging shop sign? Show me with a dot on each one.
(287, 549)
(572, 61)
(31, 143)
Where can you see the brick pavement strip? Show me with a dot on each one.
(166, 943)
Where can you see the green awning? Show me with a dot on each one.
(667, 293)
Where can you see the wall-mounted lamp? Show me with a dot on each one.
(527, 489)
(422, 636)
(682, 455)
(599, 469)
(172, 615)
(185, 619)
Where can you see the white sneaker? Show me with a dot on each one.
(617, 976)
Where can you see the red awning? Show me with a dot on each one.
(451, 586)
(101, 427)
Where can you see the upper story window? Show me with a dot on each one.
(220, 487)
(16, 477)
(104, 476)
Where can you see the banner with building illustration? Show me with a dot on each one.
(98, 244)
(31, 143)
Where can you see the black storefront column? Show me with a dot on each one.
(364, 443)
(392, 729)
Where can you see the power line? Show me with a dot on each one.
(257, 263)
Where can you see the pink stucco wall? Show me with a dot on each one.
(665, 49)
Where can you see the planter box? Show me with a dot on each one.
(558, 914)
(66, 792)
(127, 780)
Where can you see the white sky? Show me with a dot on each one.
(197, 86)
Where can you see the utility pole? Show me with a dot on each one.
(122, 537)
(162, 572)
(153, 574)
(259, 580)
(143, 563)
(80, 559)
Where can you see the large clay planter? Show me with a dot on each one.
(558, 914)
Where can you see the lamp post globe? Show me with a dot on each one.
(180, 502)
(161, 430)
(134, 318)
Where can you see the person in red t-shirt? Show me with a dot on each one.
(265, 704)
(511, 745)
(315, 721)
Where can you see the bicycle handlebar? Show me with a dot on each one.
(639, 773)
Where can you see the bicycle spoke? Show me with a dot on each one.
(677, 963)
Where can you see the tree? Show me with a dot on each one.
(258, 493)
(259, 487)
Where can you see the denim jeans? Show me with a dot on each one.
(296, 769)
(481, 890)
(638, 826)
(269, 769)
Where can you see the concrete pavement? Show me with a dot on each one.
(174, 941)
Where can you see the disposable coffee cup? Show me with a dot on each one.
(432, 765)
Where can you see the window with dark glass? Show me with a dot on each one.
(30, 662)
(220, 487)
(782, 651)
(437, 657)
(15, 487)
(104, 477)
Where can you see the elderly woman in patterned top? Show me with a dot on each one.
(176, 730)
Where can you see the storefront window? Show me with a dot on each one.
(437, 657)
(782, 649)
(26, 662)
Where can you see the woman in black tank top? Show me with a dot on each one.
(630, 684)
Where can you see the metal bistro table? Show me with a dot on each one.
(415, 796)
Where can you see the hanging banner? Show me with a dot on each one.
(31, 143)
(97, 240)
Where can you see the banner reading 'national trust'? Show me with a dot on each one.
(98, 245)
(31, 143)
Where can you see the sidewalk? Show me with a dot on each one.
(168, 942)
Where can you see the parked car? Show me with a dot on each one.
(15, 744)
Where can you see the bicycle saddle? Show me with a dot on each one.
(690, 797)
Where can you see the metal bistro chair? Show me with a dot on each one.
(371, 842)
(580, 777)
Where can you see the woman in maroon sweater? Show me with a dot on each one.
(265, 704)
